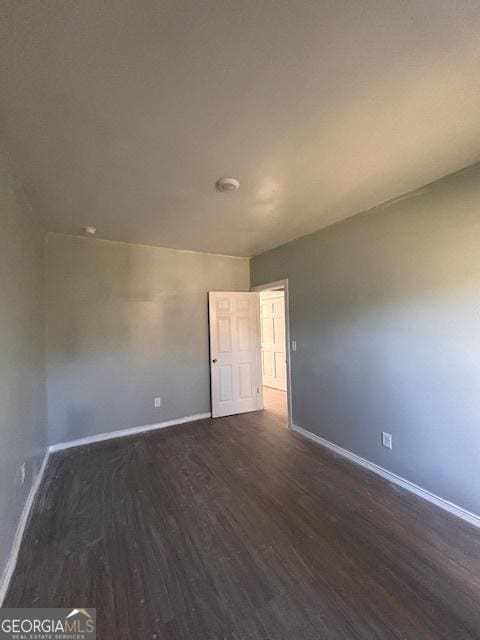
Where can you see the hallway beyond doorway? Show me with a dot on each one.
(275, 402)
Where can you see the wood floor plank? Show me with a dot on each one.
(238, 528)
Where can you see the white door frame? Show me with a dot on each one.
(269, 286)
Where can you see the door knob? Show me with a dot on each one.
(214, 360)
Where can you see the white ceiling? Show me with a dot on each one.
(123, 114)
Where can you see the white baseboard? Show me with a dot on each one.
(17, 540)
(121, 433)
(470, 517)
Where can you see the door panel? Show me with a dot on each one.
(268, 359)
(280, 367)
(267, 327)
(246, 381)
(224, 330)
(225, 383)
(235, 352)
(244, 335)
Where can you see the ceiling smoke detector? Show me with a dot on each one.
(227, 184)
(90, 231)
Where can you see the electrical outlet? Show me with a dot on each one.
(158, 403)
(294, 345)
(387, 440)
(23, 472)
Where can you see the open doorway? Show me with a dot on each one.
(275, 356)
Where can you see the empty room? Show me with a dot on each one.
(240, 320)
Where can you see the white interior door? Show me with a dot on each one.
(234, 352)
(274, 357)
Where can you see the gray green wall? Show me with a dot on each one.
(385, 309)
(127, 323)
(23, 434)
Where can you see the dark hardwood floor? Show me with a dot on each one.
(240, 529)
